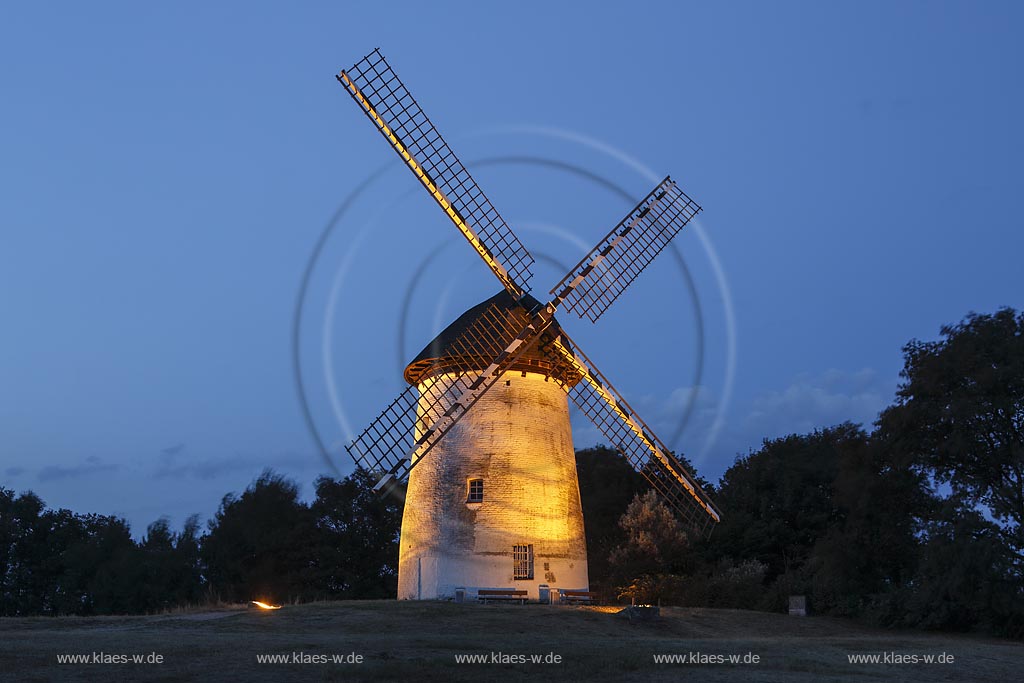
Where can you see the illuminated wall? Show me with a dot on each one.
(518, 440)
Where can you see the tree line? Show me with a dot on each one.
(264, 544)
(917, 523)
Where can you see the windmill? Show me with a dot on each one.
(482, 434)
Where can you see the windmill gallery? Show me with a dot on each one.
(482, 434)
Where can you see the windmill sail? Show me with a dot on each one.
(598, 400)
(414, 423)
(386, 101)
(603, 274)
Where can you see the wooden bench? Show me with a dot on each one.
(573, 597)
(502, 594)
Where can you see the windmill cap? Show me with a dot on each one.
(432, 360)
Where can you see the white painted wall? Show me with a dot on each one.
(518, 440)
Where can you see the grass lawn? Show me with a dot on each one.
(421, 641)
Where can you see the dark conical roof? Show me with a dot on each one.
(431, 359)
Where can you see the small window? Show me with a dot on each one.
(522, 562)
(476, 491)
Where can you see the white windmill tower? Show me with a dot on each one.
(482, 433)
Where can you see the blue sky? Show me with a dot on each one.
(168, 170)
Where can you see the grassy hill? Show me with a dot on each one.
(422, 641)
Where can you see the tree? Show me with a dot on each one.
(776, 503)
(358, 538)
(607, 485)
(23, 533)
(188, 588)
(830, 514)
(261, 544)
(959, 416)
(654, 538)
(109, 558)
(170, 565)
(872, 547)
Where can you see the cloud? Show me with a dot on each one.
(91, 466)
(811, 402)
(212, 468)
(172, 451)
(14, 471)
(808, 402)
